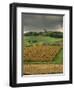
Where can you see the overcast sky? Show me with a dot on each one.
(35, 22)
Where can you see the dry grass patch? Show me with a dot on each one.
(31, 69)
(40, 53)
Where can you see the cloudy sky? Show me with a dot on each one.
(37, 23)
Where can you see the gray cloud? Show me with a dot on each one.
(35, 22)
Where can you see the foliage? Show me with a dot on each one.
(45, 33)
(57, 34)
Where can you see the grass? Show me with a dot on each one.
(31, 40)
(59, 58)
(30, 69)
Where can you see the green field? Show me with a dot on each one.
(59, 58)
(40, 40)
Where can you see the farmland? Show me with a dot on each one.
(42, 69)
(42, 53)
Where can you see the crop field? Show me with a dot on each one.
(42, 69)
(42, 54)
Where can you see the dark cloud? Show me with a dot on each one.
(36, 22)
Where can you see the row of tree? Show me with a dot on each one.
(48, 33)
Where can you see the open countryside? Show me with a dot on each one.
(42, 52)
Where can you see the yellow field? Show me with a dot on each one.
(40, 53)
(42, 68)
